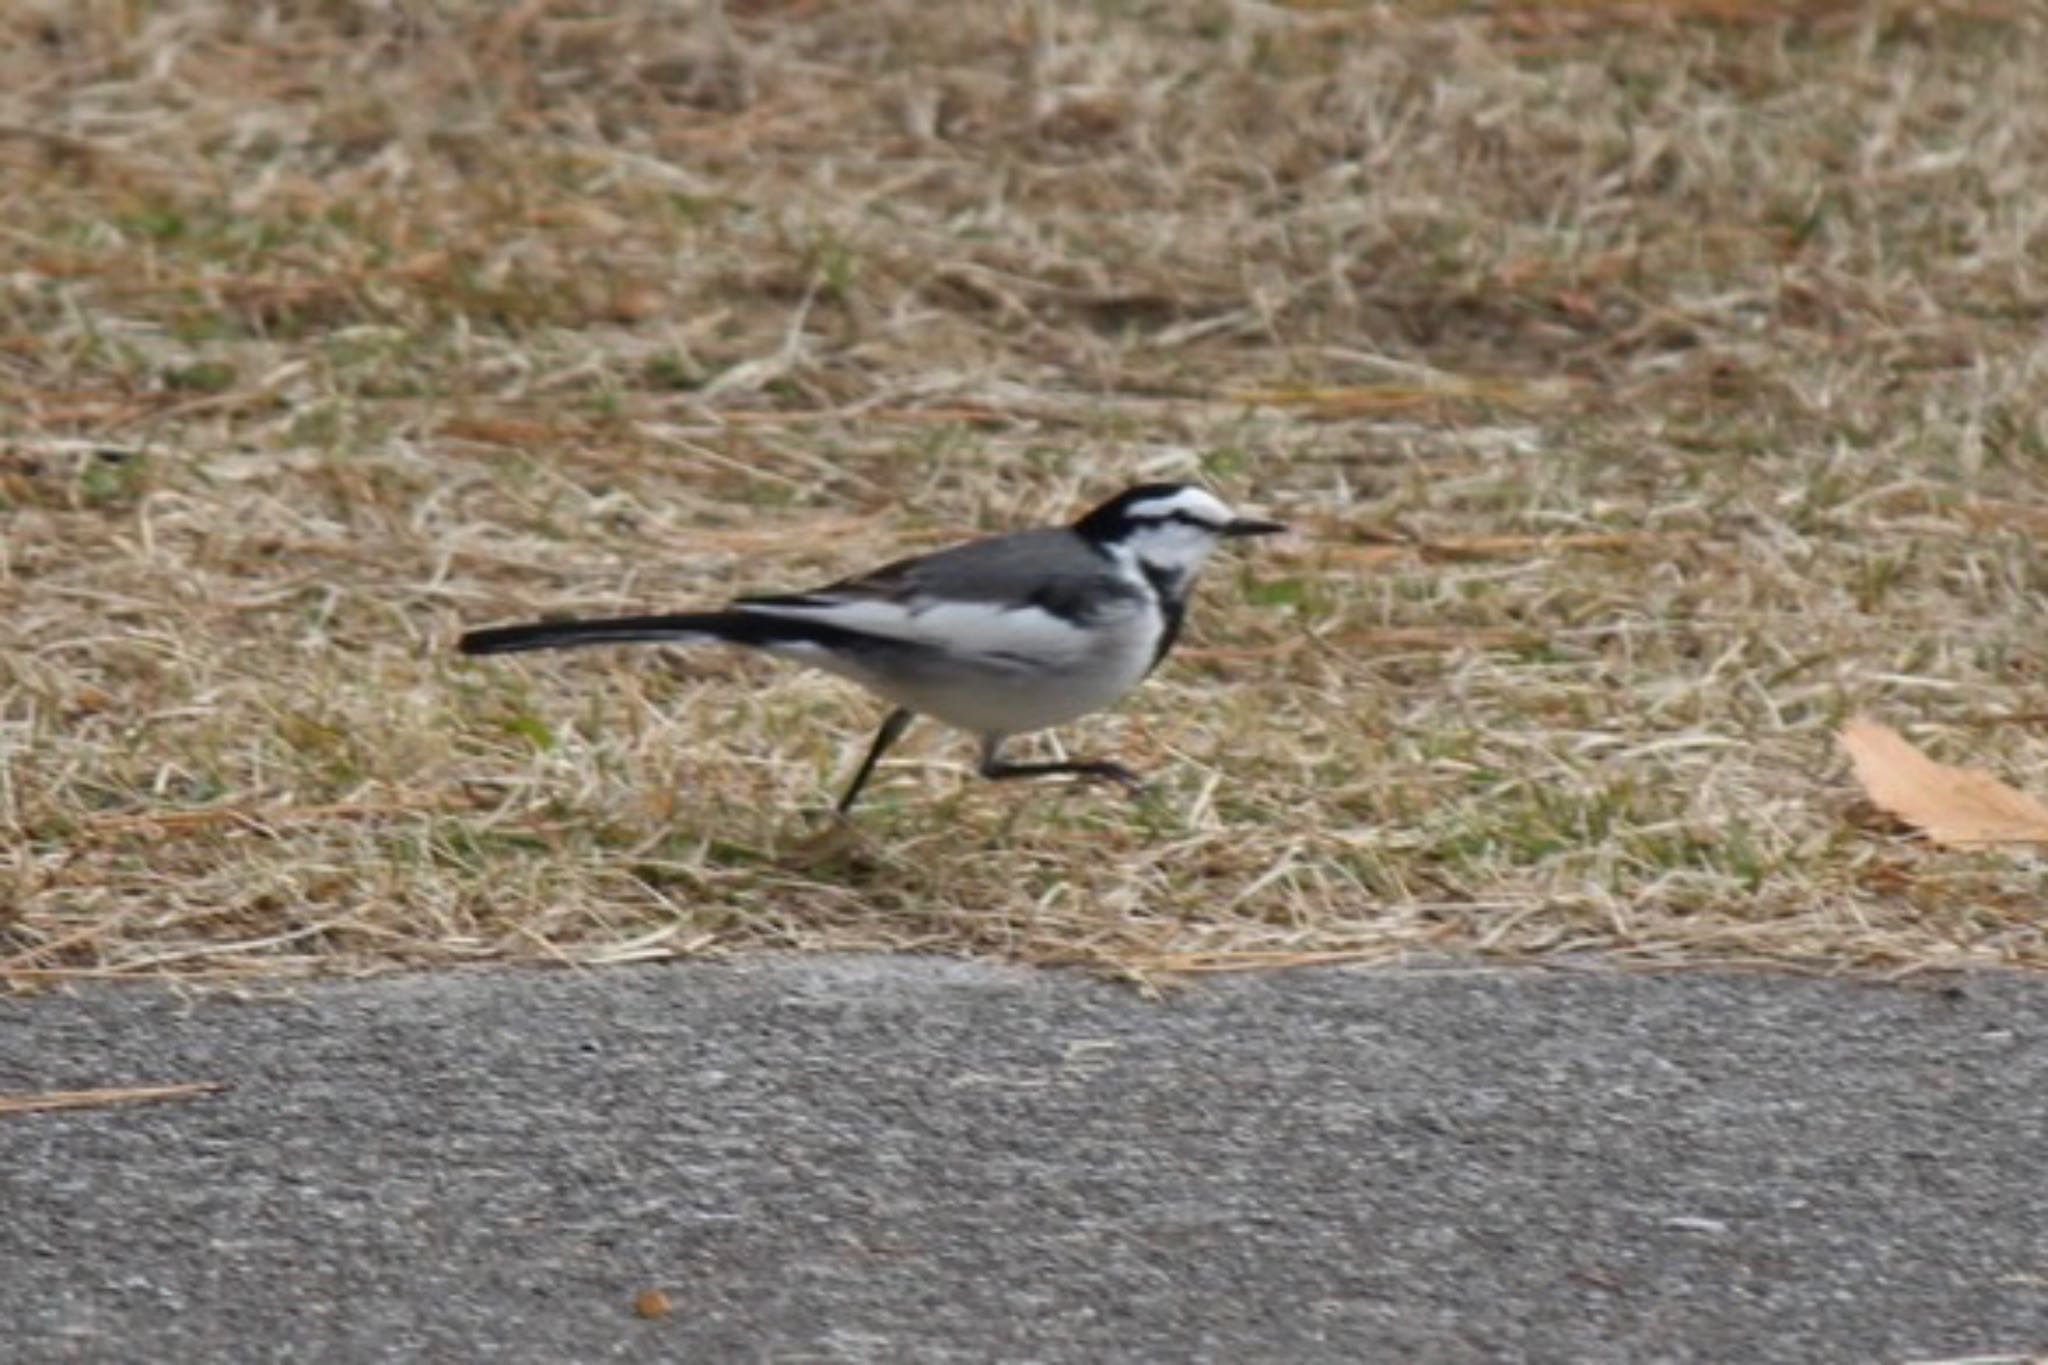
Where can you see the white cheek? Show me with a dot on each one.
(1174, 547)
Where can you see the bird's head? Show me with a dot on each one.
(1169, 529)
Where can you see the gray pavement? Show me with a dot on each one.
(894, 1160)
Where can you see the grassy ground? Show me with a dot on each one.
(1654, 384)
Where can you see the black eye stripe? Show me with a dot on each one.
(1185, 518)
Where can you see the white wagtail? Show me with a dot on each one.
(997, 637)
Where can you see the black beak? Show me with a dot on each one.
(1252, 526)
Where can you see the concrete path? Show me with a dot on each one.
(890, 1160)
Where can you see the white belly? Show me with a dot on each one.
(989, 702)
(1003, 682)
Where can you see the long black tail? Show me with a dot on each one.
(619, 630)
(733, 627)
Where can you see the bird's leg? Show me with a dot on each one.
(892, 730)
(997, 768)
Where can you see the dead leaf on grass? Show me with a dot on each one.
(1955, 807)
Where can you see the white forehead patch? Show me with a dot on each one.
(1192, 503)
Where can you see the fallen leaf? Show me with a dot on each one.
(1956, 807)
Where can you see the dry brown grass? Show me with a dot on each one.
(1656, 383)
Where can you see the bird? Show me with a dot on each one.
(1001, 636)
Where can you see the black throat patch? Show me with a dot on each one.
(1171, 590)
